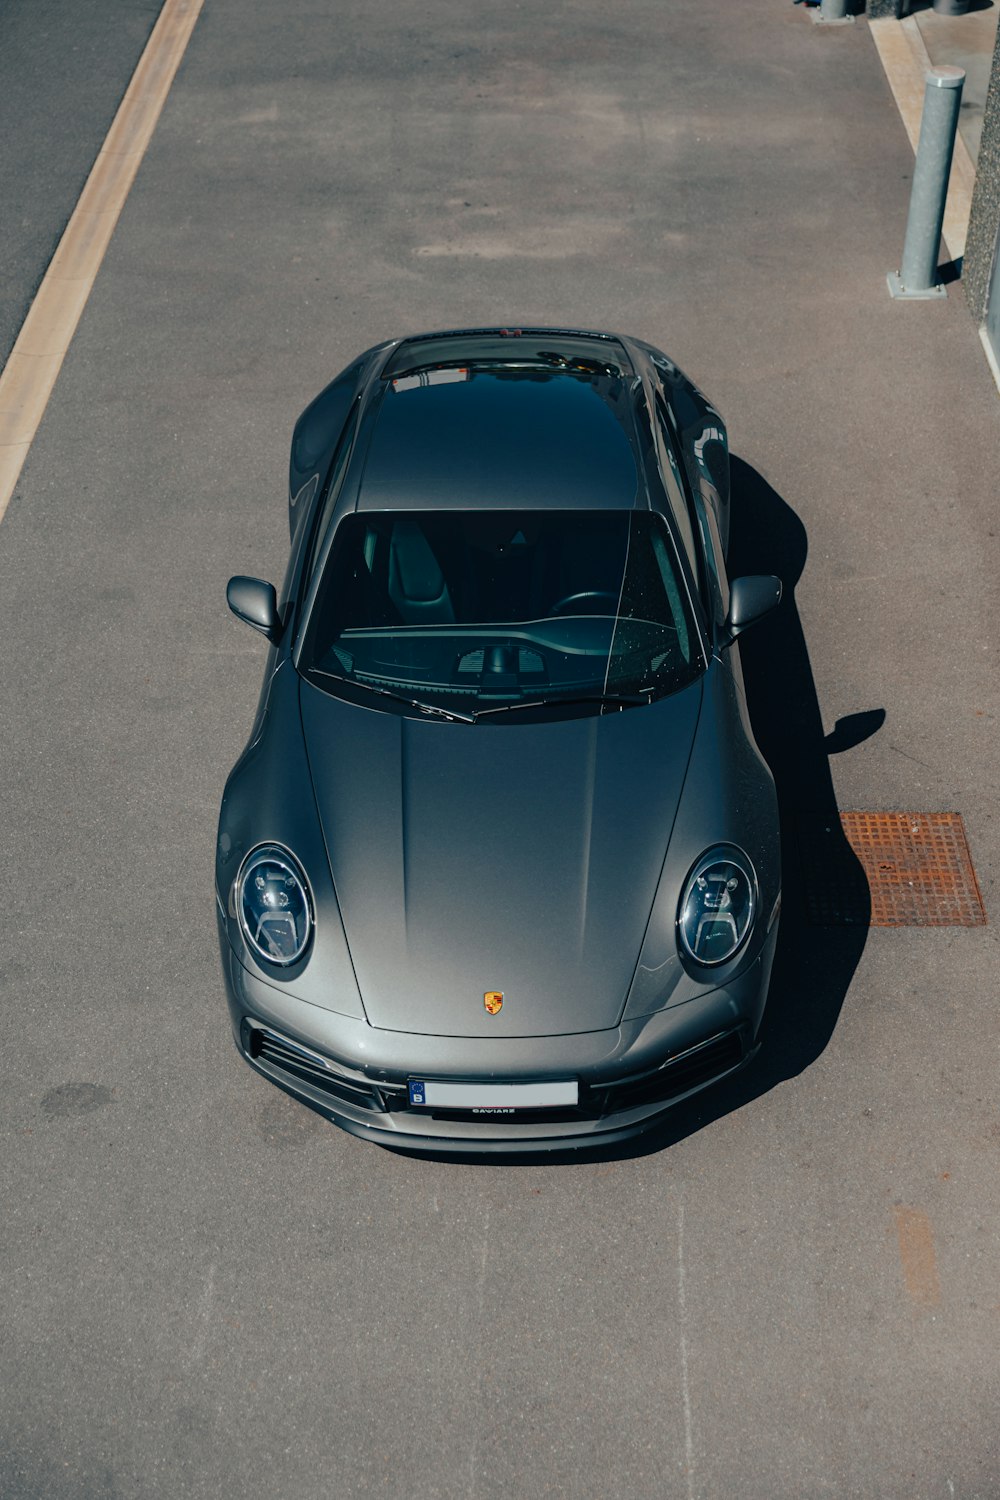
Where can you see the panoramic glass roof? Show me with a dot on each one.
(500, 437)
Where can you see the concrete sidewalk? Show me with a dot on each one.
(963, 42)
(908, 49)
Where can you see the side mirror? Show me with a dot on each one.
(253, 600)
(750, 599)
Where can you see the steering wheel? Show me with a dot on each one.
(569, 599)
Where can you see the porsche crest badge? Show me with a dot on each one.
(493, 1000)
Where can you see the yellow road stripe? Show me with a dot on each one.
(36, 359)
(905, 60)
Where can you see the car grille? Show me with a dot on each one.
(286, 1057)
(698, 1065)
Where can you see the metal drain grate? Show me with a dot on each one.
(889, 870)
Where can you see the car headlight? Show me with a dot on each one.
(273, 905)
(717, 907)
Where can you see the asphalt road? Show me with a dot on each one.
(64, 66)
(206, 1290)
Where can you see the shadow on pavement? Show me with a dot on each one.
(916, 5)
(813, 965)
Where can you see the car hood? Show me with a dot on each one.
(520, 858)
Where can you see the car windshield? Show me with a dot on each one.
(474, 611)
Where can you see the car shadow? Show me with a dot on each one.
(813, 964)
(915, 5)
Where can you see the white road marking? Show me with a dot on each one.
(204, 1313)
(36, 359)
(478, 1382)
(685, 1384)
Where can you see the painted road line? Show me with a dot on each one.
(36, 359)
(906, 60)
(917, 1257)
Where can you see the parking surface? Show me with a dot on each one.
(795, 1289)
(64, 65)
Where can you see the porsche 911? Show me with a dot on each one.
(498, 869)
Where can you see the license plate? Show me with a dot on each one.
(493, 1098)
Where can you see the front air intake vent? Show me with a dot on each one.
(285, 1058)
(719, 1055)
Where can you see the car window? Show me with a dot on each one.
(678, 492)
(714, 558)
(329, 502)
(470, 608)
(696, 519)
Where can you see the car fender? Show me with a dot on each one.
(269, 799)
(728, 797)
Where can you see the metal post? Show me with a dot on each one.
(917, 275)
(833, 13)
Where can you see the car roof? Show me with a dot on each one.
(533, 419)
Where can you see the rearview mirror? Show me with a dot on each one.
(253, 600)
(750, 599)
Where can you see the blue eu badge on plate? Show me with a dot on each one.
(418, 1093)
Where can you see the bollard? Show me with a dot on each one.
(917, 275)
(833, 13)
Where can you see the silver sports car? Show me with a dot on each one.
(498, 869)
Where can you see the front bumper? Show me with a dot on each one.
(629, 1076)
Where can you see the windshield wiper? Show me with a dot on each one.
(454, 714)
(617, 700)
(555, 700)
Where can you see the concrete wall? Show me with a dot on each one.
(876, 9)
(984, 219)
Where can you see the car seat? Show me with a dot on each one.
(417, 585)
